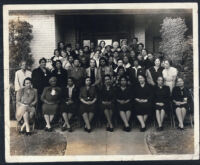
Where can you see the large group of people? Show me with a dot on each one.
(123, 79)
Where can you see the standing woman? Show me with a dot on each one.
(69, 105)
(26, 101)
(124, 102)
(180, 97)
(88, 98)
(51, 97)
(154, 72)
(102, 44)
(143, 101)
(169, 74)
(60, 74)
(107, 101)
(161, 101)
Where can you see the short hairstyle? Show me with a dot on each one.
(71, 78)
(42, 59)
(141, 44)
(68, 45)
(160, 77)
(101, 42)
(121, 77)
(58, 61)
(52, 77)
(120, 67)
(27, 79)
(142, 74)
(58, 45)
(169, 61)
(135, 38)
(55, 51)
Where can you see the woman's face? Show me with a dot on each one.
(58, 65)
(108, 48)
(132, 54)
(23, 65)
(76, 63)
(144, 52)
(140, 47)
(56, 53)
(115, 45)
(141, 79)
(116, 55)
(160, 81)
(180, 82)
(28, 84)
(107, 80)
(124, 42)
(124, 49)
(87, 81)
(139, 57)
(134, 41)
(102, 62)
(43, 64)
(63, 54)
(157, 62)
(135, 63)
(110, 60)
(97, 54)
(121, 72)
(71, 59)
(70, 82)
(167, 65)
(119, 63)
(102, 44)
(81, 52)
(150, 57)
(86, 49)
(52, 82)
(68, 49)
(123, 82)
(125, 60)
(92, 63)
(61, 45)
(77, 46)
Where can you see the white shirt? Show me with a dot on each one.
(70, 90)
(19, 78)
(136, 69)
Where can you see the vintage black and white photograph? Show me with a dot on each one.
(93, 82)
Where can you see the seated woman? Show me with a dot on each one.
(107, 101)
(120, 72)
(60, 73)
(143, 101)
(180, 97)
(69, 105)
(26, 101)
(124, 102)
(161, 101)
(88, 98)
(50, 97)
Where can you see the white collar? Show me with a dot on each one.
(137, 67)
(71, 86)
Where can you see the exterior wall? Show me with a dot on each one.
(43, 43)
(139, 30)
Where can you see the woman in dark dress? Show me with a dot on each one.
(180, 97)
(161, 101)
(124, 102)
(88, 98)
(51, 97)
(60, 74)
(154, 72)
(69, 104)
(107, 101)
(143, 101)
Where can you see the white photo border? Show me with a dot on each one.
(107, 6)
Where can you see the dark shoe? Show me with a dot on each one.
(63, 129)
(107, 128)
(111, 129)
(50, 129)
(89, 130)
(179, 128)
(46, 129)
(161, 128)
(22, 132)
(70, 129)
(143, 129)
(28, 133)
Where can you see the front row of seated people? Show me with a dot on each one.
(142, 101)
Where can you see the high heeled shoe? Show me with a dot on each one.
(28, 133)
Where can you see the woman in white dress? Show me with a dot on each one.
(169, 75)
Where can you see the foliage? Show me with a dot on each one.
(20, 36)
(177, 47)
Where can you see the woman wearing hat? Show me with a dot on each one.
(51, 97)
